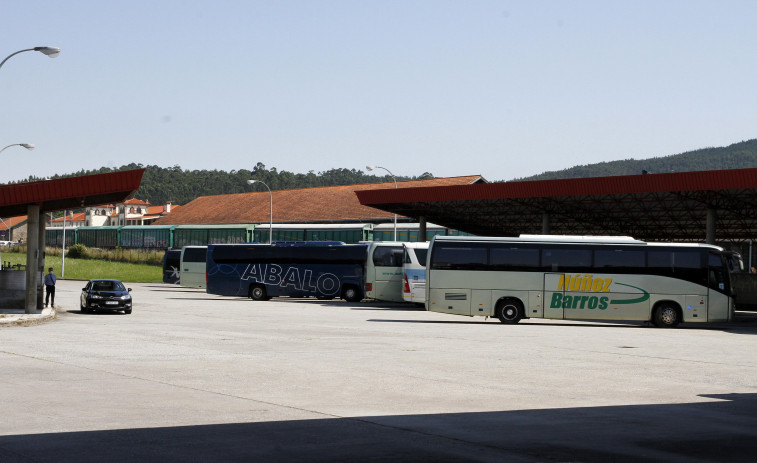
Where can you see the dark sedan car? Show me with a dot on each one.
(105, 295)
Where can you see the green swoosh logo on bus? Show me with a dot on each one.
(631, 301)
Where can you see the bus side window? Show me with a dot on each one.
(566, 259)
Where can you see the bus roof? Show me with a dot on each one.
(570, 239)
(316, 226)
(546, 239)
(580, 238)
(417, 245)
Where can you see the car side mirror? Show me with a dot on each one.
(84, 288)
(128, 289)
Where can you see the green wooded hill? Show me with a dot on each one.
(737, 156)
(162, 184)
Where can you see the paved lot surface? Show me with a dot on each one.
(192, 377)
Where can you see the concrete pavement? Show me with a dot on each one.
(193, 377)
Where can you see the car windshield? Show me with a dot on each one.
(107, 286)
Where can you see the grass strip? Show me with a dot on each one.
(87, 269)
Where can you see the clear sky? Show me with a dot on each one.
(505, 89)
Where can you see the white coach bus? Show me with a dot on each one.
(574, 277)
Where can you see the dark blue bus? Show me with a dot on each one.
(262, 271)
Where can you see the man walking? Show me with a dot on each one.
(50, 280)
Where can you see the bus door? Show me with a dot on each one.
(718, 307)
(554, 295)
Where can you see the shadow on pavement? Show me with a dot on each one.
(736, 327)
(721, 430)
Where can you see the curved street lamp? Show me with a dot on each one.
(52, 52)
(370, 168)
(25, 145)
(270, 226)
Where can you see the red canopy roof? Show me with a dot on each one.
(69, 193)
(670, 206)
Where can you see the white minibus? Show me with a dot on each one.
(192, 268)
(383, 271)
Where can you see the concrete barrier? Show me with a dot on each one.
(12, 289)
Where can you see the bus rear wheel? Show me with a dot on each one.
(351, 294)
(257, 293)
(509, 311)
(666, 316)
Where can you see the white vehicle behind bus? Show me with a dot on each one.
(414, 272)
(192, 268)
(591, 278)
(383, 271)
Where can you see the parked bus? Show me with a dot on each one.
(383, 271)
(414, 272)
(325, 270)
(171, 266)
(563, 277)
(192, 268)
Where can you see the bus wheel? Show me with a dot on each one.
(257, 293)
(509, 311)
(666, 316)
(351, 294)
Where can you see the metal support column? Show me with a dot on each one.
(546, 223)
(32, 258)
(41, 261)
(712, 216)
(422, 229)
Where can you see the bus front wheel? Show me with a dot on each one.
(509, 311)
(666, 316)
(257, 293)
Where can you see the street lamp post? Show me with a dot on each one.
(270, 225)
(370, 168)
(25, 145)
(63, 252)
(52, 52)
(34, 258)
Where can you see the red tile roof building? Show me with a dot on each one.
(332, 204)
